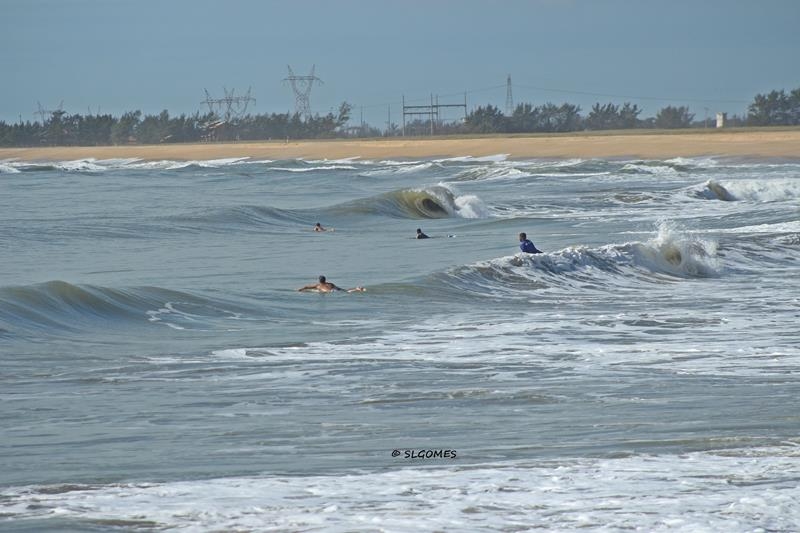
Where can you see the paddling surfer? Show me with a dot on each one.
(327, 286)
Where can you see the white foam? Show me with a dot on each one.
(393, 169)
(772, 190)
(343, 161)
(782, 227)
(657, 170)
(470, 159)
(80, 165)
(317, 168)
(742, 490)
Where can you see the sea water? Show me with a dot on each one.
(159, 369)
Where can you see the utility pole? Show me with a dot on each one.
(509, 98)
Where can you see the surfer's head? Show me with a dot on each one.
(322, 279)
(522, 236)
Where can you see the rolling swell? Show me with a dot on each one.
(62, 306)
(242, 217)
(431, 202)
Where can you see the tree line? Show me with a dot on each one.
(777, 108)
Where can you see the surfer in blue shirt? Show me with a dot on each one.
(526, 245)
(326, 286)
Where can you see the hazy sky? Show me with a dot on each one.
(123, 55)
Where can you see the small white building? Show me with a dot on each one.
(721, 119)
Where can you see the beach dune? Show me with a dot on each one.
(766, 143)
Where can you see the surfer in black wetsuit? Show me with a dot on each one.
(421, 235)
(526, 245)
(326, 286)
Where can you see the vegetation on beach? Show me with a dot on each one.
(777, 108)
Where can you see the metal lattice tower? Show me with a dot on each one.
(301, 85)
(48, 113)
(235, 106)
(509, 98)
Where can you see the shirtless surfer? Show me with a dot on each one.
(320, 227)
(327, 286)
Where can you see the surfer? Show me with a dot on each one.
(320, 227)
(421, 235)
(326, 286)
(526, 245)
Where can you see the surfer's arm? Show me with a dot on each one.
(307, 288)
(357, 289)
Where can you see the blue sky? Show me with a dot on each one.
(150, 55)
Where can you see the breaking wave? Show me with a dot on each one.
(670, 255)
(439, 201)
(749, 190)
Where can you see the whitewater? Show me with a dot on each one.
(159, 369)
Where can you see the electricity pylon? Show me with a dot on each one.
(301, 85)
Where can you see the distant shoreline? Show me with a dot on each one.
(748, 143)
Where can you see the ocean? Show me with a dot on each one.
(160, 370)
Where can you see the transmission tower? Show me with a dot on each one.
(42, 112)
(509, 98)
(301, 85)
(234, 106)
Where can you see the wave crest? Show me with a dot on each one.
(439, 201)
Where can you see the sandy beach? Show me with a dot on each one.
(780, 143)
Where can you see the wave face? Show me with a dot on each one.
(58, 305)
(439, 201)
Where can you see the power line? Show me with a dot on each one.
(656, 98)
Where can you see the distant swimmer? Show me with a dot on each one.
(327, 286)
(320, 227)
(421, 235)
(527, 246)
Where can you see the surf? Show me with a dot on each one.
(438, 201)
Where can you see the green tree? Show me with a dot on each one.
(524, 119)
(125, 128)
(487, 119)
(674, 117)
(610, 116)
(344, 114)
(773, 109)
